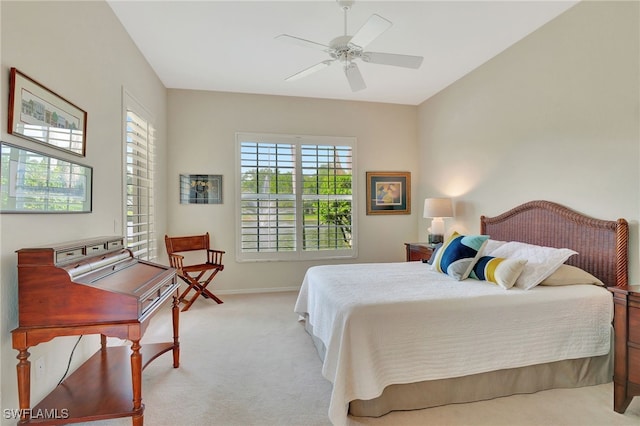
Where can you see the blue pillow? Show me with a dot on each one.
(435, 253)
(458, 255)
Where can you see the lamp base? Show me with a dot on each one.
(436, 238)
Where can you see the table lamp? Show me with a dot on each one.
(436, 209)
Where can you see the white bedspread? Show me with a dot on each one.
(394, 323)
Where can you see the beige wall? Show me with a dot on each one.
(79, 50)
(554, 117)
(202, 133)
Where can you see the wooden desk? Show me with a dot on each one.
(626, 374)
(91, 286)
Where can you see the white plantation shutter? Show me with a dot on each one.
(139, 174)
(294, 197)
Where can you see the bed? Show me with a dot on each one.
(400, 336)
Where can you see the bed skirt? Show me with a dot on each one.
(478, 387)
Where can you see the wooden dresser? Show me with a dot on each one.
(418, 251)
(626, 376)
(92, 286)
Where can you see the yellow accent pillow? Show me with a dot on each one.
(497, 270)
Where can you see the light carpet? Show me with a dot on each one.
(249, 362)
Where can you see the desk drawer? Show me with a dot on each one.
(97, 249)
(67, 255)
(117, 244)
(159, 293)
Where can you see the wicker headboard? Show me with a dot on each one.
(602, 245)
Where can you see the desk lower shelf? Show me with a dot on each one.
(99, 389)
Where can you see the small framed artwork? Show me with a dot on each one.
(388, 192)
(200, 189)
(38, 114)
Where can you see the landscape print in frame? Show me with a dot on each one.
(38, 114)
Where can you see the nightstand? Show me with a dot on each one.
(418, 251)
(626, 322)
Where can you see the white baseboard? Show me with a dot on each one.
(257, 290)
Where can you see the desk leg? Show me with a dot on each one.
(24, 384)
(175, 311)
(136, 377)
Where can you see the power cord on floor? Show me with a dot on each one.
(70, 358)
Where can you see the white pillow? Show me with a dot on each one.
(491, 246)
(541, 261)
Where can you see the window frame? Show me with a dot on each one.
(299, 254)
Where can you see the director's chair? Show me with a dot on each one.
(197, 276)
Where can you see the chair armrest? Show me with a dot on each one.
(175, 260)
(215, 256)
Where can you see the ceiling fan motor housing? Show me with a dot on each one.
(342, 50)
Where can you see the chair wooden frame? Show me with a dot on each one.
(199, 276)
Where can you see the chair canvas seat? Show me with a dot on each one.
(200, 267)
(196, 276)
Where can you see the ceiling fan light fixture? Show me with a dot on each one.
(347, 49)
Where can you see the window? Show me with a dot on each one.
(295, 196)
(139, 169)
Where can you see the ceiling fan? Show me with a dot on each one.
(346, 49)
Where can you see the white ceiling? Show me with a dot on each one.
(229, 46)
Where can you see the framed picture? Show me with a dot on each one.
(38, 114)
(388, 192)
(200, 189)
(33, 182)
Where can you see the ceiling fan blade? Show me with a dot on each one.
(310, 70)
(371, 29)
(406, 61)
(354, 77)
(302, 42)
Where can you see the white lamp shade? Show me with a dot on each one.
(438, 207)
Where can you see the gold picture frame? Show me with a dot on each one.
(388, 193)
